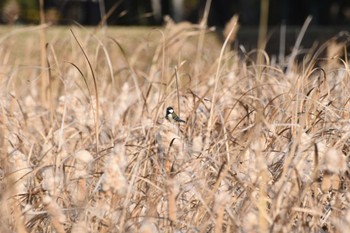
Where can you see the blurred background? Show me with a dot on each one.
(285, 17)
(152, 12)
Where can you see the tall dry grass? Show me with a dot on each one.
(265, 147)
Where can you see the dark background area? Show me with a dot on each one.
(151, 12)
(329, 17)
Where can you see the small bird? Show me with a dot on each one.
(171, 116)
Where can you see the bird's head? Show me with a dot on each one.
(169, 110)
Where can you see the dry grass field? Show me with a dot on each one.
(85, 146)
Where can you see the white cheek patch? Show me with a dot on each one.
(171, 111)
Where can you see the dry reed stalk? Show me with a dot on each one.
(263, 25)
(219, 208)
(44, 83)
(171, 201)
(233, 23)
(262, 178)
(18, 219)
(217, 77)
(201, 37)
(159, 52)
(3, 141)
(56, 215)
(97, 102)
(297, 44)
(108, 58)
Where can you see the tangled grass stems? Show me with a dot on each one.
(269, 155)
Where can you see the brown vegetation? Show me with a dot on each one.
(263, 149)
